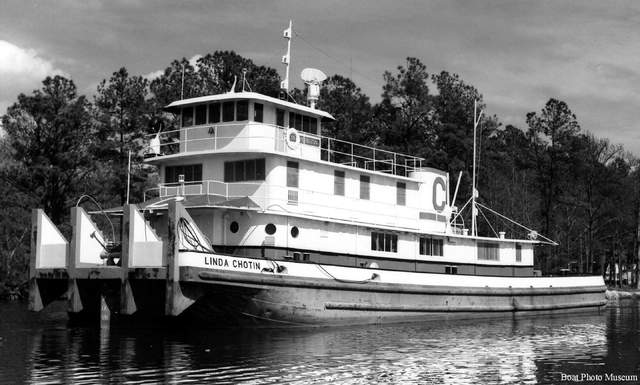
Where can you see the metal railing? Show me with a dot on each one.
(243, 136)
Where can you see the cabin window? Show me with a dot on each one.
(187, 116)
(401, 194)
(431, 246)
(518, 252)
(191, 172)
(279, 117)
(228, 109)
(364, 187)
(214, 113)
(244, 170)
(302, 123)
(292, 174)
(338, 182)
(295, 231)
(451, 269)
(234, 227)
(201, 114)
(313, 125)
(242, 110)
(384, 242)
(488, 251)
(257, 112)
(305, 124)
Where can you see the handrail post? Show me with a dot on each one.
(352, 164)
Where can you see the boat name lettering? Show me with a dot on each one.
(235, 263)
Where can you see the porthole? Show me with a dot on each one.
(234, 227)
(270, 229)
(295, 231)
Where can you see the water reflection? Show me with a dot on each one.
(530, 350)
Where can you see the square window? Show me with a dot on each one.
(338, 183)
(305, 124)
(292, 174)
(279, 117)
(242, 110)
(214, 113)
(187, 116)
(257, 112)
(239, 171)
(201, 114)
(313, 126)
(228, 109)
(364, 187)
(250, 169)
(228, 172)
(401, 193)
(260, 169)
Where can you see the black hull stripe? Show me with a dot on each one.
(460, 309)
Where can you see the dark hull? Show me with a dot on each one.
(227, 299)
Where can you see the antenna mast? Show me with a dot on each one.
(474, 192)
(286, 59)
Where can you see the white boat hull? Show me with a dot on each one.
(240, 291)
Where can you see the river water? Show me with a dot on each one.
(43, 348)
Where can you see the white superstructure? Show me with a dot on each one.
(261, 161)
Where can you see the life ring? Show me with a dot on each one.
(293, 138)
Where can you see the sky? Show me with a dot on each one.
(518, 54)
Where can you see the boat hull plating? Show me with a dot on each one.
(238, 298)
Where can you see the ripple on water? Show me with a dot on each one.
(527, 350)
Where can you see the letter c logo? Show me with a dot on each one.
(439, 205)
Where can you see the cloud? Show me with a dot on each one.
(156, 74)
(153, 75)
(21, 71)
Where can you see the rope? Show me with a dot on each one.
(489, 223)
(346, 280)
(190, 236)
(550, 241)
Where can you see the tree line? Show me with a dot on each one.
(550, 175)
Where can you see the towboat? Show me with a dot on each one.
(259, 219)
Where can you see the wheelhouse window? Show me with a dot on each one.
(431, 246)
(364, 187)
(244, 170)
(313, 126)
(303, 123)
(384, 242)
(518, 252)
(257, 112)
(401, 194)
(338, 182)
(214, 113)
(187, 116)
(488, 251)
(292, 174)
(242, 110)
(201, 114)
(191, 172)
(228, 109)
(279, 117)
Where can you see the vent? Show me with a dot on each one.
(292, 197)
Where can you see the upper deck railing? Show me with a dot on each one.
(238, 137)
